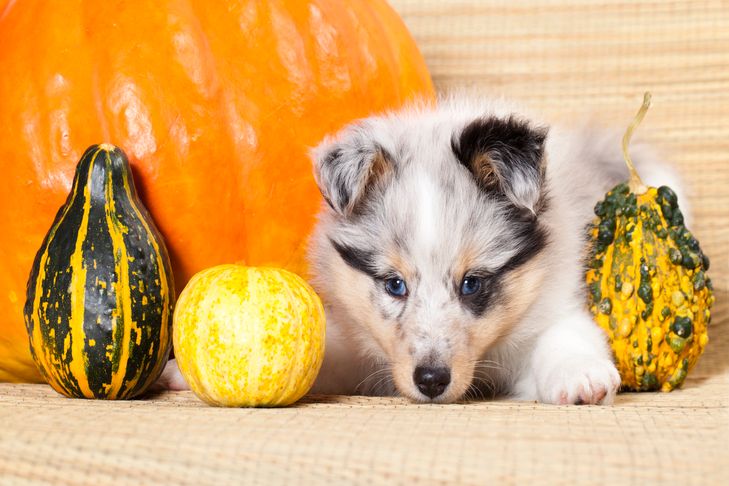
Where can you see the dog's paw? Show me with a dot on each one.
(581, 380)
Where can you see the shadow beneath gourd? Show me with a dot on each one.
(151, 394)
(632, 398)
(318, 400)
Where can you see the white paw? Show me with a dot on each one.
(581, 380)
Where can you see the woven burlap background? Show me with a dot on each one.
(565, 58)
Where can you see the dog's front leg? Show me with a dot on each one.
(570, 363)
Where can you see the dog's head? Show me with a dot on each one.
(431, 240)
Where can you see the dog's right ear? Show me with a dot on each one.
(505, 155)
(347, 167)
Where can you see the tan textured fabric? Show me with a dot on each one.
(564, 58)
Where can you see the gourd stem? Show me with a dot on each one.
(635, 183)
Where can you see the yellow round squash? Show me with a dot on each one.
(247, 337)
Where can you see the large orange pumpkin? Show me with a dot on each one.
(216, 104)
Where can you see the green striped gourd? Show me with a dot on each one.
(100, 293)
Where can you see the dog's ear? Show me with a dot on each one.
(507, 156)
(347, 167)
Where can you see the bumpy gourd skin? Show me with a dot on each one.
(648, 287)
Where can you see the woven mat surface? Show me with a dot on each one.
(564, 58)
(680, 437)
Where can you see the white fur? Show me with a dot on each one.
(429, 201)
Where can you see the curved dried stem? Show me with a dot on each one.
(635, 183)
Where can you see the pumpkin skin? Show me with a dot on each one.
(215, 103)
(648, 287)
(249, 336)
(100, 294)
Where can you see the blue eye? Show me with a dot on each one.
(396, 287)
(470, 285)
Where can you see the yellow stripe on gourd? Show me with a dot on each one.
(77, 366)
(42, 353)
(164, 282)
(123, 311)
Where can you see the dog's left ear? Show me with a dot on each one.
(350, 166)
(506, 156)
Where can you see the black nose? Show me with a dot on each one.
(431, 381)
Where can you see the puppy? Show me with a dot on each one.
(449, 255)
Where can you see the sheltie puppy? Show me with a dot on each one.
(450, 254)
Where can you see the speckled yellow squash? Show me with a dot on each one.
(247, 336)
(648, 285)
(99, 298)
